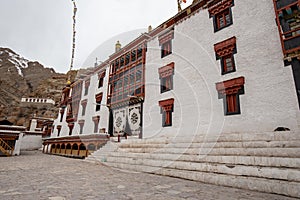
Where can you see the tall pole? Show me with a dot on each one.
(74, 37)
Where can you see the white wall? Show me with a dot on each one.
(31, 142)
(90, 109)
(91, 106)
(269, 100)
(17, 148)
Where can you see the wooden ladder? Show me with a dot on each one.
(5, 148)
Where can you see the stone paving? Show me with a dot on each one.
(34, 175)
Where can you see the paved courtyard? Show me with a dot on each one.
(34, 175)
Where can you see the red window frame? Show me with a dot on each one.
(230, 91)
(225, 51)
(225, 68)
(166, 49)
(166, 74)
(167, 108)
(221, 11)
(225, 16)
(127, 80)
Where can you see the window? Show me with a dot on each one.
(165, 41)
(101, 76)
(71, 126)
(98, 101)
(225, 51)
(96, 120)
(223, 19)
(166, 49)
(83, 104)
(167, 107)
(100, 84)
(86, 87)
(62, 111)
(229, 91)
(222, 14)
(166, 77)
(227, 64)
(81, 124)
(58, 130)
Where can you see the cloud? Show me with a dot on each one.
(42, 29)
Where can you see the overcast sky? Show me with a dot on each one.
(42, 29)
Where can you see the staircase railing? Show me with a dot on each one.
(5, 148)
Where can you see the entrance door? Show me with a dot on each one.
(128, 120)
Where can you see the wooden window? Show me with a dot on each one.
(229, 91)
(223, 19)
(167, 107)
(83, 104)
(228, 64)
(96, 120)
(101, 79)
(129, 80)
(58, 130)
(71, 126)
(165, 41)
(86, 87)
(98, 101)
(166, 77)
(166, 49)
(81, 124)
(225, 51)
(62, 111)
(222, 14)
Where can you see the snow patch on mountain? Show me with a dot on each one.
(17, 66)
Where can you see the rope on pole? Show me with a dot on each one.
(74, 34)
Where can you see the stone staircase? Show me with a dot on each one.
(102, 154)
(266, 162)
(5, 148)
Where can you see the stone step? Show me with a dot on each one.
(230, 160)
(101, 154)
(230, 169)
(239, 144)
(288, 188)
(237, 137)
(268, 152)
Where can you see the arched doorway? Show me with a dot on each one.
(82, 150)
(57, 148)
(63, 149)
(53, 148)
(68, 149)
(75, 149)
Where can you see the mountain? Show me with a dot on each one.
(20, 78)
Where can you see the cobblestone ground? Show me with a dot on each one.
(34, 175)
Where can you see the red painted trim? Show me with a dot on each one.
(230, 86)
(166, 37)
(99, 96)
(167, 70)
(81, 122)
(220, 7)
(84, 102)
(96, 119)
(101, 74)
(225, 47)
(167, 104)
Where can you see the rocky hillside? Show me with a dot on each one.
(19, 78)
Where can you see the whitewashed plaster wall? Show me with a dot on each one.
(31, 142)
(270, 99)
(17, 148)
(88, 127)
(91, 112)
